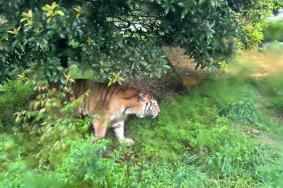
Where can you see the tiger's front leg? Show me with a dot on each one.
(99, 129)
(118, 128)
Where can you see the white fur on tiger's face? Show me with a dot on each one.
(150, 107)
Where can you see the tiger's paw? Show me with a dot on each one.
(126, 141)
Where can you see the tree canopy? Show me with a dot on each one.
(114, 40)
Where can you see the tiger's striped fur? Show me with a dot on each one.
(112, 105)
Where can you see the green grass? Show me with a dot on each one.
(273, 31)
(201, 139)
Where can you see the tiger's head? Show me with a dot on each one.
(148, 106)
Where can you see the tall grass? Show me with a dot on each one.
(273, 31)
(219, 135)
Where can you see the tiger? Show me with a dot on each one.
(111, 105)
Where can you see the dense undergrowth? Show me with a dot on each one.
(220, 134)
(273, 31)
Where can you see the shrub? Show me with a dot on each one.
(85, 163)
(14, 96)
(119, 39)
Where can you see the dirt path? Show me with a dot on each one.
(185, 66)
(251, 63)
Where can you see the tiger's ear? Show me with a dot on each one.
(142, 97)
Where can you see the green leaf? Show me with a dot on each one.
(47, 8)
(59, 12)
(54, 5)
(24, 19)
(49, 19)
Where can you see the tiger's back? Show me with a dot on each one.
(102, 98)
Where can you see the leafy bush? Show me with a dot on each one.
(119, 39)
(85, 163)
(13, 97)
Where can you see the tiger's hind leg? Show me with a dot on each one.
(118, 128)
(100, 128)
